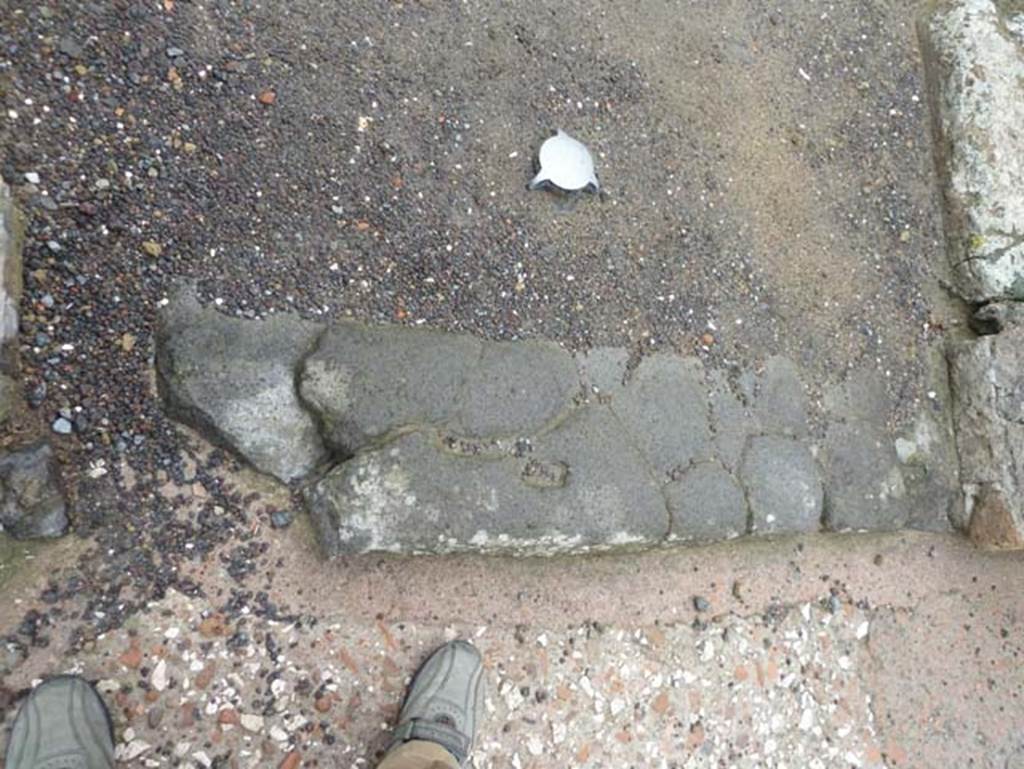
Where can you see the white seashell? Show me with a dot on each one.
(565, 163)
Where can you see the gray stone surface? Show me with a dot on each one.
(517, 388)
(235, 380)
(864, 478)
(415, 497)
(410, 440)
(987, 376)
(31, 500)
(781, 401)
(706, 504)
(368, 382)
(10, 275)
(603, 370)
(732, 419)
(975, 52)
(10, 397)
(665, 411)
(783, 486)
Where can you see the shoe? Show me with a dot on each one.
(444, 700)
(62, 725)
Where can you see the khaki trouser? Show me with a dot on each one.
(419, 754)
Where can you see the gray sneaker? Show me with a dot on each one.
(62, 725)
(443, 702)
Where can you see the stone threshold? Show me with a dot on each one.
(407, 440)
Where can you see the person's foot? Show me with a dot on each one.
(62, 725)
(443, 702)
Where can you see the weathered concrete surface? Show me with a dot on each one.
(987, 375)
(976, 59)
(448, 443)
(824, 651)
(235, 380)
(31, 502)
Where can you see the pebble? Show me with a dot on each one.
(700, 603)
(281, 519)
(62, 426)
(154, 717)
(174, 52)
(158, 679)
(251, 722)
(291, 761)
(32, 177)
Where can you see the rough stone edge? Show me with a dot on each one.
(12, 234)
(12, 237)
(196, 419)
(986, 513)
(959, 233)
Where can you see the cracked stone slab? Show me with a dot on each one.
(987, 376)
(664, 409)
(976, 67)
(234, 380)
(443, 442)
(865, 483)
(706, 504)
(367, 382)
(783, 483)
(415, 496)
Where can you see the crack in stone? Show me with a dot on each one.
(652, 471)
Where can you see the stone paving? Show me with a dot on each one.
(415, 441)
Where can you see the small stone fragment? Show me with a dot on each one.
(267, 97)
(152, 248)
(62, 426)
(322, 704)
(251, 722)
(132, 657)
(228, 716)
(158, 679)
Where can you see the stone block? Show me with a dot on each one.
(235, 380)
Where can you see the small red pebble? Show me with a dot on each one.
(291, 761)
(267, 97)
(228, 716)
(322, 704)
(707, 340)
(132, 657)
